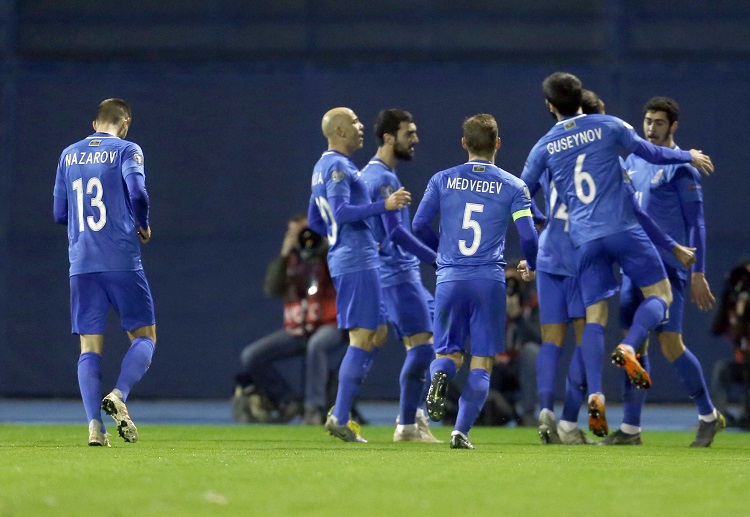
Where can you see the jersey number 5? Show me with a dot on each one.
(471, 224)
(96, 201)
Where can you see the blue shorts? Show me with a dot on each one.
(470, 309)
(631, 249)
(631, 297)
(92, 295)
(358, 300)
(559, 298)
(409, 308)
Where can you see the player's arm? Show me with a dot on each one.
(345, 212)
(60, 210)
(139, 200)
(426, 212)
(529, 243)
(315, 219)
(691, 204)
(60, 196)
(664, 155)
(401, 236)
(533, 170)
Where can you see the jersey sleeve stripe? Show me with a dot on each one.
(526, 212)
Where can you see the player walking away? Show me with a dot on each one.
(100, 194)
(476, 202)
(340, 208)
(582, 154)
(408, 304)
(672, 196)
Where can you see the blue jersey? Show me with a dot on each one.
(396, 264)
(663, 191)
(582, 154)
(476, 202)
(352, 246)
(102, 232)
(556, 254)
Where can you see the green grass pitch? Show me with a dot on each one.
(296, 470)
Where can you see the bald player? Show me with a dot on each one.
(340, 208)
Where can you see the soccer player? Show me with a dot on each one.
(476, 201)
(100, 194)
(407, 302)
(560, 302)
(340, 208)
(672, 196)
(581, 153)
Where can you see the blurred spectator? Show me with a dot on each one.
(300, 276)
(733, 322)
(513, 393)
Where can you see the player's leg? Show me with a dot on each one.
(130, 295)
(451, 329)
(487, 333)
(553, 318)
(321, 343)
(633, 397)
(687, 367)
(358, 308)
(642, 264)
(89, 307)
(409, 312)
(598, 284)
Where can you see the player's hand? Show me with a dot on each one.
(527, 274)
(701, 162)
(685, 255)
(144, 234)
(398, 200)
(700, 292)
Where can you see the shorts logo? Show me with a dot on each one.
(337, 176)
(386, 191)
(478, 168)
(94, 143)
(138, 158)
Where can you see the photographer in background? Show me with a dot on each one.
(300, 276)
(733, 322)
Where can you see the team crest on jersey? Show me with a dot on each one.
(527, 193)
(337, 176)
(386, 191)
(94, 143)
(570, 124)
(478, 168)
(657, 177)
(138, 158)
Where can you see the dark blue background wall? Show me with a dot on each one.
(227, 104)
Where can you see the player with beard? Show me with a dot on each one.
(408, 305)
(672, 197)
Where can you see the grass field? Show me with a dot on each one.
(296, 470)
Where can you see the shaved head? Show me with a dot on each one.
(335, 118)
(343, 130)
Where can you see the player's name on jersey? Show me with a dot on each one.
(484, 186)
(574, 140)
(90, 158)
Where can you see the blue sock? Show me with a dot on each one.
(633, 399)
(352, 372)
(689, 371)
(445, 364)
(90, 384)
(592, 349)
(648, 315)
(575, 387)
(546, 367)
(135, 364)
(412, 380)
(371, 359)
(472, 399)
